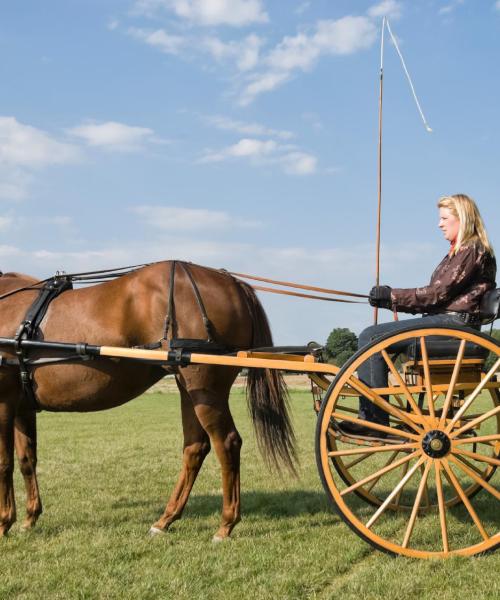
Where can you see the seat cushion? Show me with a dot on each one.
(439, 347)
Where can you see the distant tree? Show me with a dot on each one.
(492, 357)
(341, 344)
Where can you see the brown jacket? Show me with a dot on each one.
(457, 284)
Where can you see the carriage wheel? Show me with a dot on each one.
(431, 459)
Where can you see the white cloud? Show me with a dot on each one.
(265, 153)
(251, 147)
(301, 52)
(160, 39)
(450, 7)
(386, 8)
(25, 146)
(245, 53)
(236, 13)
(9, 251)
(113, 136)
(261, 83)
(173, 218)
(228, 124)
(299, 163)
(497, 5)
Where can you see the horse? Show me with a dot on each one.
(131, 310)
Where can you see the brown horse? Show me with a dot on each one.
(131, 311)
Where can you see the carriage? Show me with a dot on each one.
(425, 485)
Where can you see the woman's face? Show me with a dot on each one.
(449, 224)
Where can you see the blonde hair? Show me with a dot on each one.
(471, 224)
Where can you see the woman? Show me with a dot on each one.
(452, 297)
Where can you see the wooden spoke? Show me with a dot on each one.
(386, 448)
(380, 472)
(473, 396)
(377, 479)
(455, 483)
(441, 505)
(399, 400)
(398, 496)
(394, 492)
(364, 390)
(475, 422)
(427, 378)
(401, 382)
(348, 409)
(453, 382)
(480, 457)
(357, 461)
(426, 488)
(478, 439)
(475, 477)
(470, 465)
(418, 499)
(376, 426)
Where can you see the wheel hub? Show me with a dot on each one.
(436, 443)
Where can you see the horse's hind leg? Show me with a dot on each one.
(25, 442)
(212, 409)
(196, 448)
(7, 501)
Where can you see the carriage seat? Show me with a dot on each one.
(442, 351)
(439, 347)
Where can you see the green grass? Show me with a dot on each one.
(105, 478)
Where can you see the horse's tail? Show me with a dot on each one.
(267, 396)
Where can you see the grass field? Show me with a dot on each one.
(105, 478)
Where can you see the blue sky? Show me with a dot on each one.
(243, 134)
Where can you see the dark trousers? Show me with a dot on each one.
(374, 371)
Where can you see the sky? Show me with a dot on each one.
(243, 134)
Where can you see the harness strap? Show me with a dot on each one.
(206, 321)
(170, 318)
(28, 328)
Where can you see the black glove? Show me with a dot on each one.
(380, 295)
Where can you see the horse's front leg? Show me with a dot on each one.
(25, 443)
(7, 501)
(196, 448)
(213, 412)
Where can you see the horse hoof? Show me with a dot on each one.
(217, 539)
(154, 531)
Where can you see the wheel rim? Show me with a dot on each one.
(431, 471)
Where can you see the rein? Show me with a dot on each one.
(300, 286)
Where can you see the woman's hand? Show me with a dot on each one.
(380, 295)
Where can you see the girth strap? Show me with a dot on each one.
(28, 328)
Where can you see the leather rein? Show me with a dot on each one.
(300, 286)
